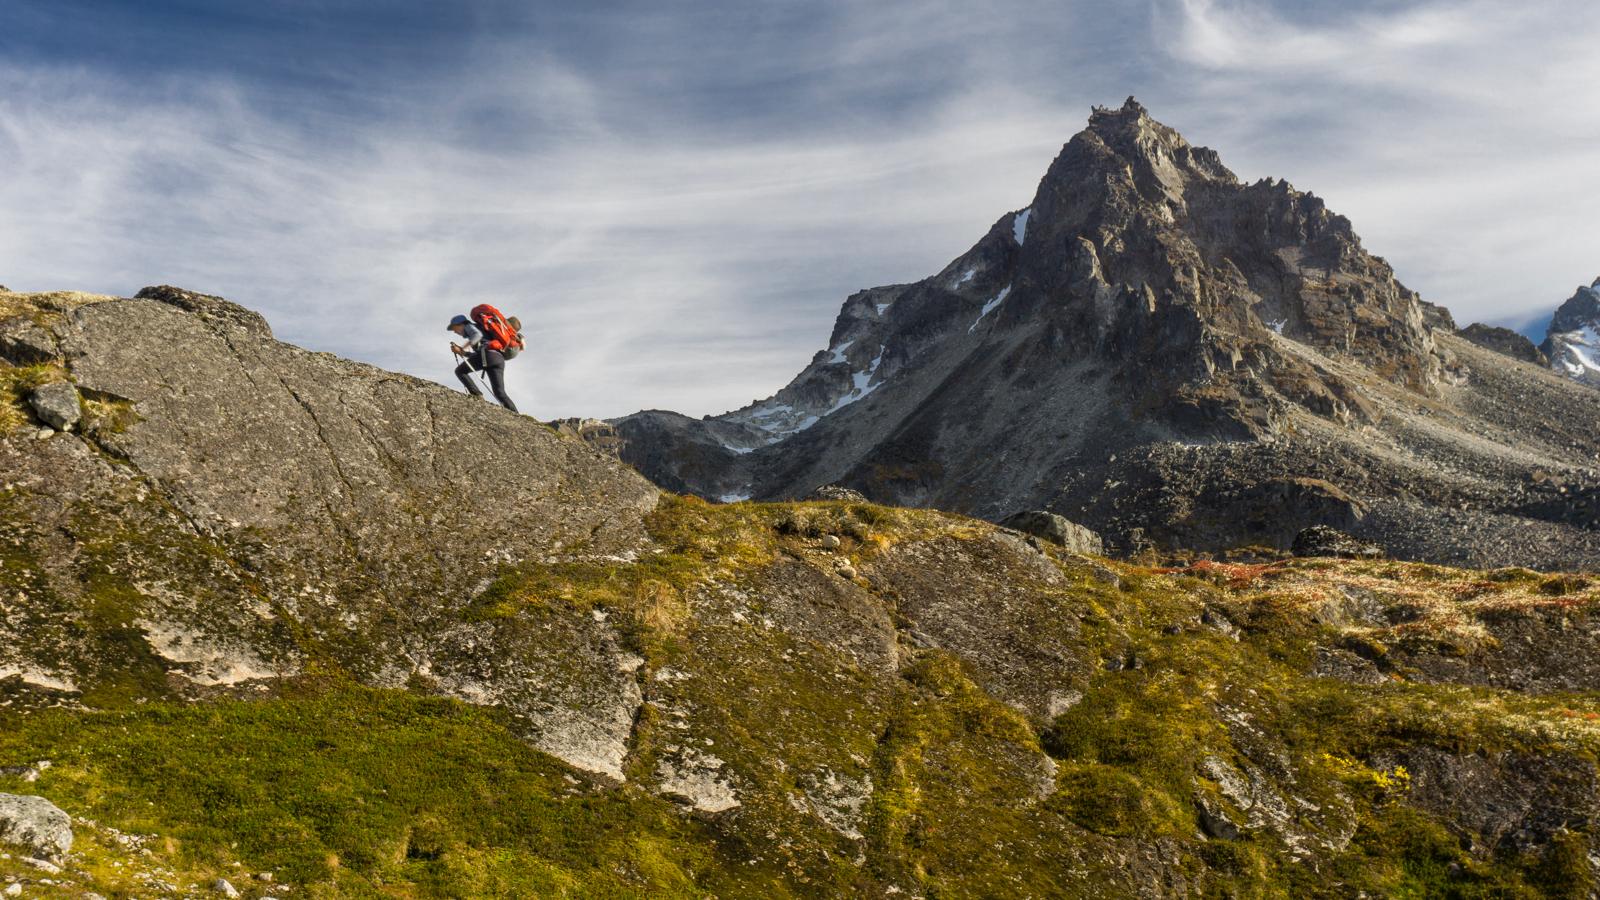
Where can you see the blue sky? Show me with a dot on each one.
(678, 196)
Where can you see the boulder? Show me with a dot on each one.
(597, 433)
(24, 342)
(1057, 530)
(36, 825)
(837, 492)
(1320, 540)
(56, 404)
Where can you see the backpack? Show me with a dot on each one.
(499, 333)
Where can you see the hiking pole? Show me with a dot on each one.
(465, 358)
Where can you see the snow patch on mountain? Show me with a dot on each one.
(778, 420)
(838, 352)
(861, 384)
(1573, 341)
(1019, 228)
(990, 307)
(1577, 352)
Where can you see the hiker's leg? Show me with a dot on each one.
(496, 369)
(464, 372)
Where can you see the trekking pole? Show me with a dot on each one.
(468, 361)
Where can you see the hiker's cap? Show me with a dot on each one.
(458, 320)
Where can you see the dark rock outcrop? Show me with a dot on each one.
(1506, 341)
(836, 492)
(24, 343)
(596, 433)
(214, 310)
(1057, 530)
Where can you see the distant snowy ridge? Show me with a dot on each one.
(1573, 341)
(822, 388)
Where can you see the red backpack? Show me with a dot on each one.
(499, 333)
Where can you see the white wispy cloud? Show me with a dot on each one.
(672, 270)
(1460, 137)
(678, 237)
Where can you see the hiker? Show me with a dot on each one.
(487, 336)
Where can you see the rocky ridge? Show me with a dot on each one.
(259, 616)
(1150, 313)
(1504, 340)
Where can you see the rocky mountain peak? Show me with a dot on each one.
(1581, 310)
(1149, 247)
(1156, 157)
(1147, 319)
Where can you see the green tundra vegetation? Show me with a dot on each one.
(339, 789)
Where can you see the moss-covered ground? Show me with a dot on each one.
(1201, 683)
(348, 791)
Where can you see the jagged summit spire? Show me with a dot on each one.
(1130, 107)
(1132, 116)
(1124, 142)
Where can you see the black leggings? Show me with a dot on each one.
(493, 364)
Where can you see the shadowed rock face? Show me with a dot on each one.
(1152, 326)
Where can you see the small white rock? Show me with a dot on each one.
(222, 887)
(15, 890)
